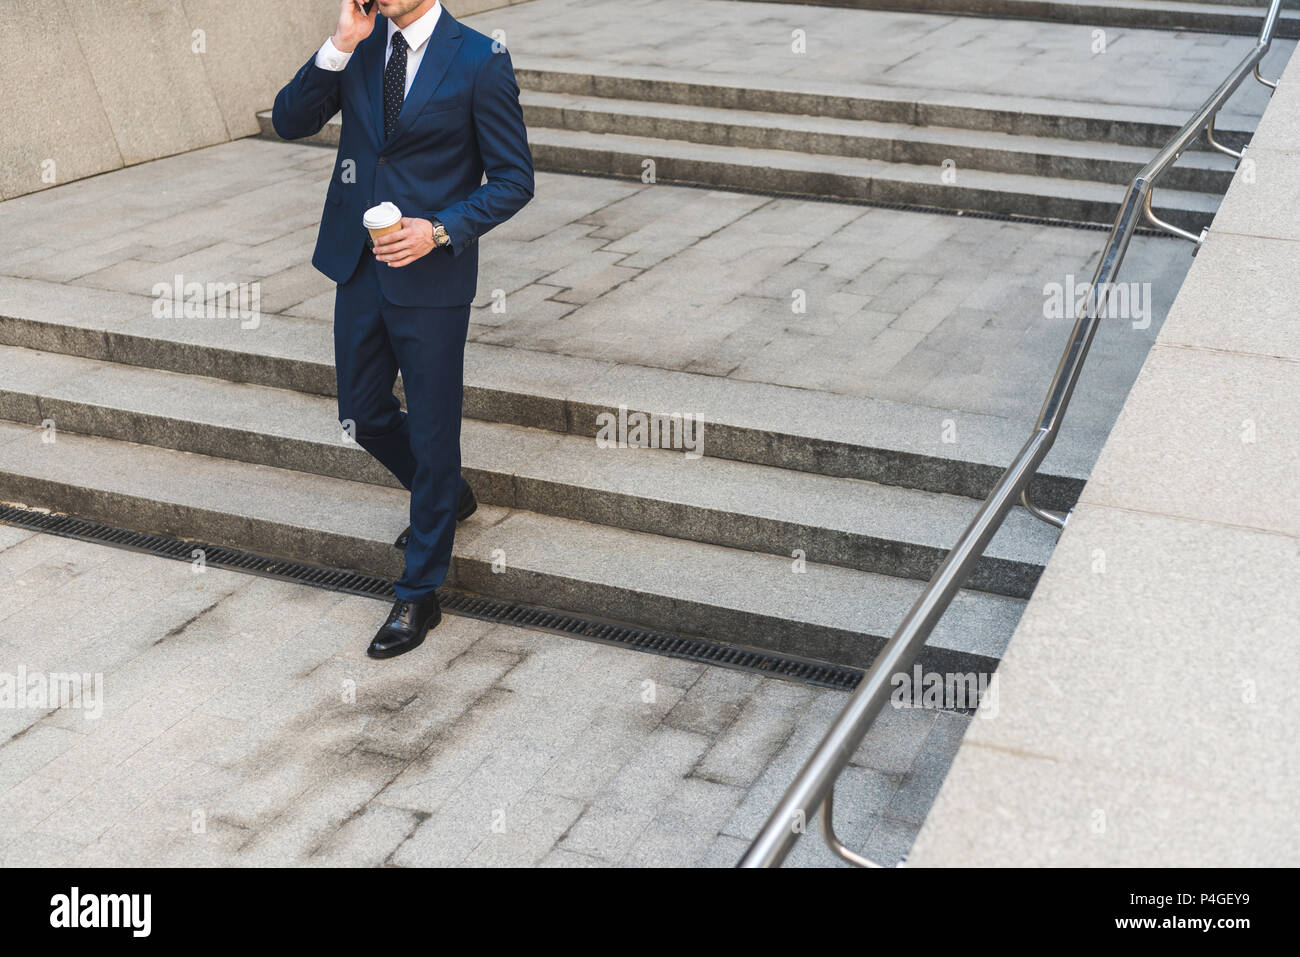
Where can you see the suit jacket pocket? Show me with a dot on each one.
(438, 108)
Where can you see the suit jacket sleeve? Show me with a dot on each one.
(307, 101)
(507, 160)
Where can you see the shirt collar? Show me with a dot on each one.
(418, 33)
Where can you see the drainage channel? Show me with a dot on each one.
(685, 647)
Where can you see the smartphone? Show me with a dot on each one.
(368, 6)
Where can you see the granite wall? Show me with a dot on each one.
(93, 85)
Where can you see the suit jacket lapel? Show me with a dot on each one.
(438, 55)
(373, 49)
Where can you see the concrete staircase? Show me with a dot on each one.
(1205, 16)
(948, 150)
(213, 432)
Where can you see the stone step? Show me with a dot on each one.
(1145, 126)
(840, 521)
(895, 142)
(1055, 119)
(1206, 16)
(1259, 6)
(826, 612)
(851, 178)
(869, 139)
(891, 443)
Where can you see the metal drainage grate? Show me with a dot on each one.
(469, 605)
(655, 642)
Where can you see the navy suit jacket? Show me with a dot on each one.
(460, 121)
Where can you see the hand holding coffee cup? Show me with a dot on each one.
(398, 240)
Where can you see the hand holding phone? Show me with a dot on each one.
(356, 20)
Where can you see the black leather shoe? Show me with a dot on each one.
(468, 506)
(407, 624)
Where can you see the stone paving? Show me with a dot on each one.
(1170, 607)
(225, 740)
(940, 311)
(242, 724)
(1020, 58)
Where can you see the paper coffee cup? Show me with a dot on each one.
(382, 219)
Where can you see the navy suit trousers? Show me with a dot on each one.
(373, 340)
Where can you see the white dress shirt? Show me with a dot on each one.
(417, 34)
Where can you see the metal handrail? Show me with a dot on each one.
(814, 786)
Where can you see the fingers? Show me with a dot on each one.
(354, 21)
(400, 251)
(386, 247)
(389, 242)
(389, 253)
(400, 257)
(402, 247)
(393, 239)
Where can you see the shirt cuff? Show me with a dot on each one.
(331, 58)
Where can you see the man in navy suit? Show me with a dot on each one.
(430, 108)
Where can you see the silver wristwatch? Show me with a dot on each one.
(440, 236)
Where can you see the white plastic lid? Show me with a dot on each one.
(377, 217)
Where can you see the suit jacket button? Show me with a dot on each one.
(382, 161)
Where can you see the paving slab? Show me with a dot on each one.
(1240, 301)
(1224, 452)
(163, 779)
(978, 56)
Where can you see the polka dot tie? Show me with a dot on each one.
(394, 84)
